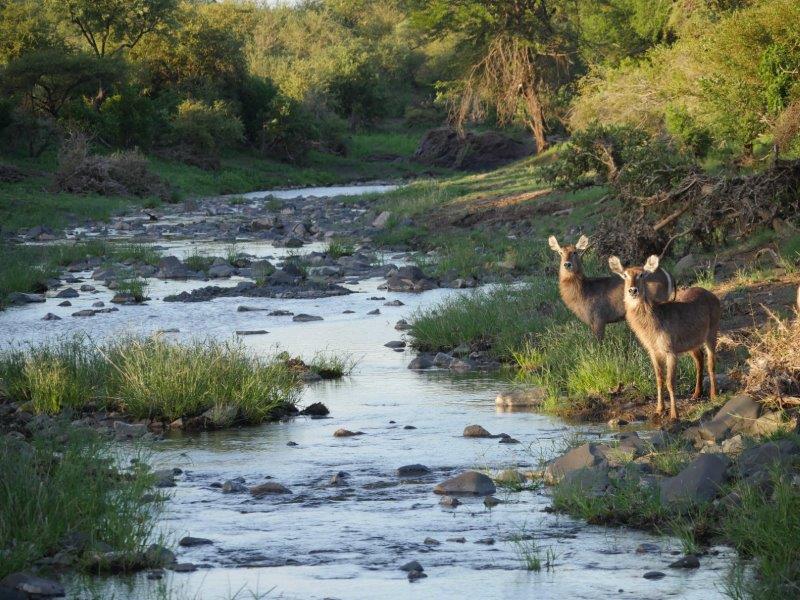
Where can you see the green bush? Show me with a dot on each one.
(206, 127)
(64, 482)
(693, 136)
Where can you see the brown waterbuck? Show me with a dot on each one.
(599, 300)
(689, 324)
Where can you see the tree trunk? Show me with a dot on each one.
(535, 117)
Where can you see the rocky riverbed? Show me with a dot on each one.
(417, 484)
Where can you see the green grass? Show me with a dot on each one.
(149, 378)
(501, 319)
(530, 553)
(66, 483)
(626, 503)
(31, 202)
(765, 527)
(340, 246)
(197, 261)
(26, 268)
(329, 365)
(135, 287)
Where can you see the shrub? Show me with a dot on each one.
(121, 174)
(64, 482)
(149, 378)
(130, 119)
(206, 127)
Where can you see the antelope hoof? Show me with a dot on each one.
(673, 416)
(696, 395)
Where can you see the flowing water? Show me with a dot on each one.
(348, 541)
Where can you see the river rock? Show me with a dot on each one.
(128, 431)
(87, 312)
(415, 470)
(699, 482)
(184, 568)
(690, 561)
(268, 488)
(33, 585)
(476, 431)
(317, 409)
(164, 478)
(245, 308)
(449, 501)
(17, 298)
(421, 362)
(588, 481)
(442, 360)
(584, 456)
(754, 464)
(527, 397)
(654, 575)
(191, 542)
(380, 221)
(395, 344)
(346, 433)
(67, 293)
(251, 332)
(157, 555)
(304, 318)
(402, 325)
(490, 502)
(412, 566)
(234, 486)
(736, 416)
(51, 317)
(446, 147)
(468, 483)
(170, 267)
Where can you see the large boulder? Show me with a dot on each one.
(470, 483)
(755, 463)
(737, 415)
(697, 483)
(585, 456)
(444, 147)
(171, 267)
(521, 398)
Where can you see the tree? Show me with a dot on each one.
(111, 26)
(49, 79)
(516, 53)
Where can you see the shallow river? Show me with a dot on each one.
(348, 541)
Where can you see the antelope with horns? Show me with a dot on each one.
(599, 301)
(689, 324)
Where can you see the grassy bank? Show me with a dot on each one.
(492, 224)
(150, 378)
(761, 524)
(32, 201)
(61, 493)
(26, 268)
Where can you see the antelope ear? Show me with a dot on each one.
(652, 264)
(583, 243)
(616, 266)
(553, 244)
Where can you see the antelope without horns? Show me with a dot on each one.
(689, 324)
(598, 301)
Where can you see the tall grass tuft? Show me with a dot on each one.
(502, 319)
(764, 526)
(150, 377)
(65, 483)
(159, 379)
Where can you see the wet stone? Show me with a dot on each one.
(654, 575)
(449, 502)
(690, 561)
(65, 303)
(476, 431)
(234, 486)
(346, 433)
(415, 470)
(412, 566)
(191, 542)
(184, 568)
(485, 541)
(377, 311)
(395, 344)
(468, 483)
(51, 317)
(304, 318)
(490, 502)
(415, 575)
(32, 585)
(268, 488)
(429, 541)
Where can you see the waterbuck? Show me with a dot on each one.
(599, 300)
(689, 324)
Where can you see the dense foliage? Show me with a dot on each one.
(717, 76)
